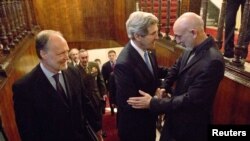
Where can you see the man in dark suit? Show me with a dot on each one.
(230, 22)
(93, 81)
(50, 102)
(197, 74)
(135, 69)
(107, 68)
(74, 57)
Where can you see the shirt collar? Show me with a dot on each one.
(47, 72)
(139, 50)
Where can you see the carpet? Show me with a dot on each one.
(109, 126)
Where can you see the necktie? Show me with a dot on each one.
(59, 87)
(147, 62)
(112, 65)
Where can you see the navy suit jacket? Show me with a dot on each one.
(41, 115)
(106, 70)
(131, 75)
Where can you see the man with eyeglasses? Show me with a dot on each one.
(196, 74)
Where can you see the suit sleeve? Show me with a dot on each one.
(24, 114)
(125, 87)
(105, 74)
(200, 92)
(172, 75)
(100, 82)
(88, 109)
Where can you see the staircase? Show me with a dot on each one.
(153, 6)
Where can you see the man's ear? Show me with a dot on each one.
(194, 32)
(43, 53)
(137, 37)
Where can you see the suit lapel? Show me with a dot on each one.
(136, 56)
(46, 87)
(68, 88)
(185, 59)
(192, 61)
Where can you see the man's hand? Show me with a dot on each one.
(159, 93)
(140, 102)
(99, 135)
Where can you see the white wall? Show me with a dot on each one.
(102, 54)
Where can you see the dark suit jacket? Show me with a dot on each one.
(42, 116)
(99, 78)
(188, 112)
(106, 70)
(132, 74)
(94, 83)
(112, 88)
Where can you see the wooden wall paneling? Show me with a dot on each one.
(78, 20)
(7, 111)
(224, 102)
(94, 44)
(120, 18)
(232, 103)
(22, 62)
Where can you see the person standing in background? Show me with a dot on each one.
(230, 22)
(196, 75)
(51, 102)
(107, 68)
(98, 61)
(74, 57)
(136, 69)
(94, 82)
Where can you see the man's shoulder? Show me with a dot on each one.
(105, 64)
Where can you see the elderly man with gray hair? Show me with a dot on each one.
(136, 68)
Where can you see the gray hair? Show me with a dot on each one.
(138, 23)
(42, 39)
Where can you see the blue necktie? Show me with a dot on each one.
(147, 62)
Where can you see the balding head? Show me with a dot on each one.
(189, 30)
(189, 21)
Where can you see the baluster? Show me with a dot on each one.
(152, 6)
(11, 16)
(167, 37)
(137, 8)
(178, 8)
(240, 51)
(221, 24)
(12, 21)
(146, 5)
(21, 18)
(6, 22)
(160, 17)
(203, 12)
(34, 22)
(3, 37)
(16, 20)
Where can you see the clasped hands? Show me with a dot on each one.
(143, 102)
